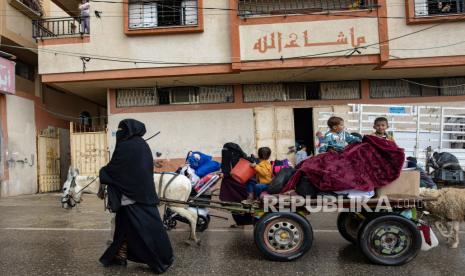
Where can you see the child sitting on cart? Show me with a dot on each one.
(336, 139)
(264, 175)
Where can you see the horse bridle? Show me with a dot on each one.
(70, 200)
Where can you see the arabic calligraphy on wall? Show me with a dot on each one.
(7, 76)
(274, 41)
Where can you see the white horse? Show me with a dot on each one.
(167, 185)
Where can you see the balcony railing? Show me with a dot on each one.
(278, 7)
(59, 27)
(439, 7)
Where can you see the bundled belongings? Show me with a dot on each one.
(281, 178)
(202, 164)
(277, 165)
(363, 166)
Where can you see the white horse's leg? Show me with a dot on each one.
(192, 218)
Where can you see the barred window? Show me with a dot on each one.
(216, 94)
(264, 92)
(150, 96)
(453, 86)
(340, 90)
(438, 7)
(390, 89)
(271, 7)
(147, 14)
(399, 88)
(131, 97)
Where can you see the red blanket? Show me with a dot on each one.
(363, 166)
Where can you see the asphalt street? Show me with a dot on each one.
(38, 237)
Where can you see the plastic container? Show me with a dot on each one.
(242, 172)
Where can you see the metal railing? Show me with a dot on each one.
(439, 7)
(58, 27)
(277, 7)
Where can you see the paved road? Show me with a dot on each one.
(37, 237)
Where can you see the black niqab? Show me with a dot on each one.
(130, 170)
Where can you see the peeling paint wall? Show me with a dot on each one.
(20, 154)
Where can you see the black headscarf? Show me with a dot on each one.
(130, 171)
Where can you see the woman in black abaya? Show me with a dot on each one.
(139, 232)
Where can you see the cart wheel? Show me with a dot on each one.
(202, 223)
(283, 236)
(168, 220)
(389, 240)
(348, 224)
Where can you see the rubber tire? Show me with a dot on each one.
(307, 233)
(371, 224)
(342, 225)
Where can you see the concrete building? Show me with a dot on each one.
(27, 106)
(206, 72)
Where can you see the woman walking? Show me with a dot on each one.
(139, 232)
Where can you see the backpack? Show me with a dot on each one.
(230, 155)
(278, 165)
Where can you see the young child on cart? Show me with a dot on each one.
(263, 174)
(380, 125)
(336, 139)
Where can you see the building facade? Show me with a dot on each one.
(207, 72)
(28, 107)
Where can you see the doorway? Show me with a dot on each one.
(303, 127)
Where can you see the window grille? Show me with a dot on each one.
(438, 7)
(453, 86)
(216, 94)
(271, 7)
(389, 89)
(147, 14)
(264, 92)
(340, 90)
(132, 97)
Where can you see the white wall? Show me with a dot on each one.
(107, 38)
(183, 131)
(21, 145)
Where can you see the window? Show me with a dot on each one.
(438, 7)
(452, 86)
(150, 96)
(136, 97)
(24, 70)
(273, 7)
(338, 90)
(149, 14)
(404, 88)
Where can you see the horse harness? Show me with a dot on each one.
(162, 192)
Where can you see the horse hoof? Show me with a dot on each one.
(454, 245)
(198, 242)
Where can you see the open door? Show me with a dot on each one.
(274, 128)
